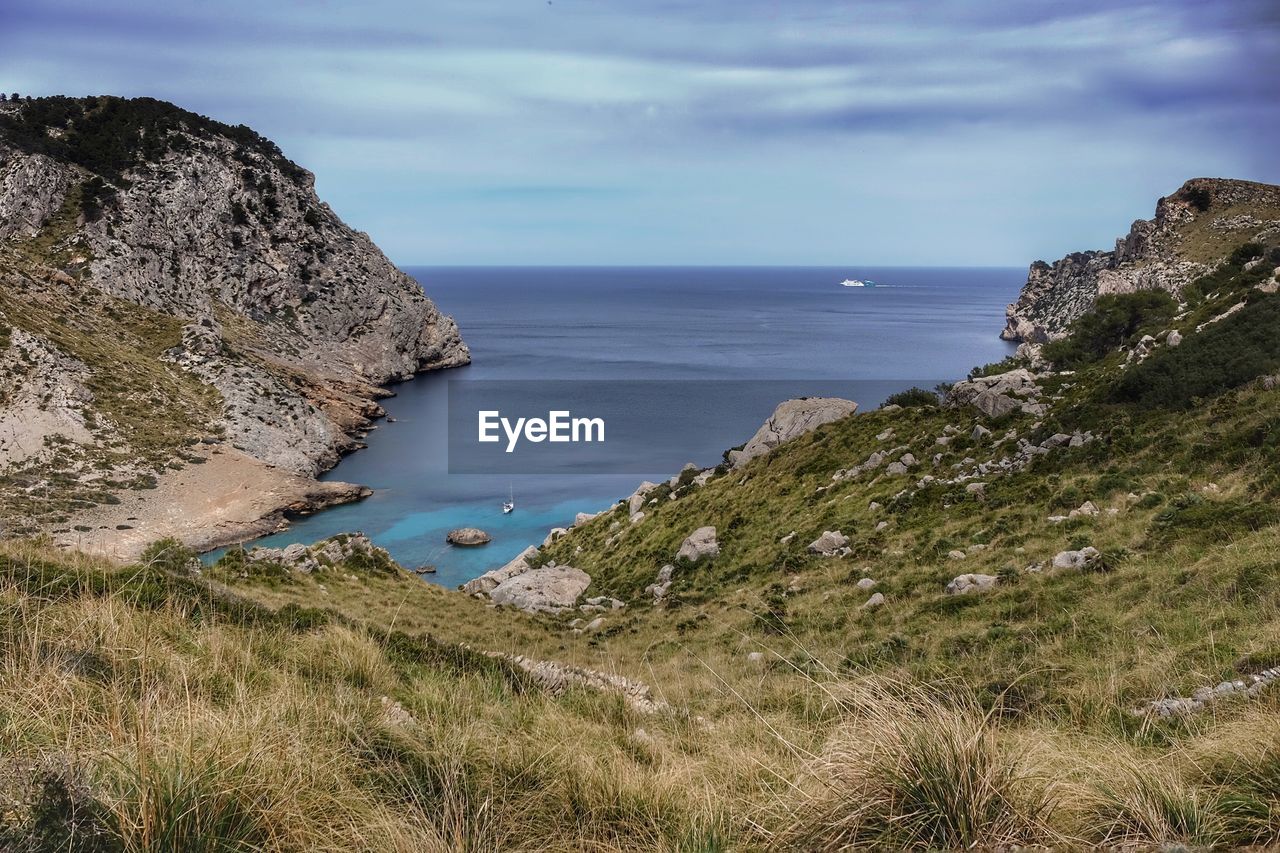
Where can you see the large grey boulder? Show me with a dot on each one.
(1076, 559)
(965, 584)
(700, 543)
(829, 543)
(639, 497)
(789, 420)
(546, 590)
(487, 581)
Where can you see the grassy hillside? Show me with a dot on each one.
(248, 706)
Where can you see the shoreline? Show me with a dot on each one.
(228, 498)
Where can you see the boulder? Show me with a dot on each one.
(1174, 339)
(660, 587)
(700, 543)
(956, 555)
(639, 496)
(467, 537)
(556, 533)
(637, 517)
(789, 420)
(583, 517)
(1076, 559)
(866, 583)
(487, 581)
(874, 601)
(979, 433)
(964, 584)
(830, 542)
(546, 590)
(1088, 508)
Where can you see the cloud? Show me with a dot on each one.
(710, 131)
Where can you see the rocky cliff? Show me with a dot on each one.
(171, 282)
(1192, 230)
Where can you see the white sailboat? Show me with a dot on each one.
(509, 504)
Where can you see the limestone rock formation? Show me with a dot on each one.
(467, 537)
(487, 581)
(967, 583)
(1076, 559)
(1182, 242)
(831, 542)
(243, 307)
(999, 394)
(546, 590)
(699, 544)
(790, 419)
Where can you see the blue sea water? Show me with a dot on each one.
(653, 323)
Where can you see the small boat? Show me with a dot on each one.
(509, 504)
(857, 282)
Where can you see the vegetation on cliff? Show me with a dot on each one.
(1123, 696)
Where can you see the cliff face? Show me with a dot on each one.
(201, 250)
(1192, 230)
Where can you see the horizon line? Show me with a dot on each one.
(405, 265)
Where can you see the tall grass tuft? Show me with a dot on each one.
(171, 802)
(1149, 803)
(910, 768)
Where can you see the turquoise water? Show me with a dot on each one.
(792, 325)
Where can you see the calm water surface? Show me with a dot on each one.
(916, 326)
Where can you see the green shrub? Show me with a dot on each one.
(912, 397)
(1191, 518)
(169, 555)
(1114, 320)
(110, 136)
(1226, 355)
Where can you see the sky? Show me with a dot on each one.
(788, 132)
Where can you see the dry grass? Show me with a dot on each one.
(910, 767)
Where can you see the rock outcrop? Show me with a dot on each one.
(557, 677)
(1187, 236)
(244, 308)
(699, 544)
(327, 553)
(999, 394)
(965, 584)
(829, 544)
(789, 420)
(1076, 560)
(467, 537)
(546, 590)
(487, 581)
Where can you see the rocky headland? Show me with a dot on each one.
(189, 334)
(1191, 232)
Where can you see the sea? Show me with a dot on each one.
(786, 332)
